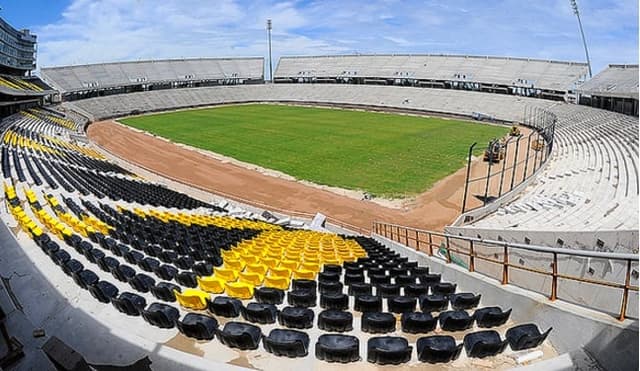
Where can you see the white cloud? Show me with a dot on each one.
(106, 30)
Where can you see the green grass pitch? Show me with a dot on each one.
(387, 155)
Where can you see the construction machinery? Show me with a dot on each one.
(495, 151)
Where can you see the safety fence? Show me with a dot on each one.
(503, 261)
(508, 162)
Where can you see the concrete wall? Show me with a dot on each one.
(612, 343)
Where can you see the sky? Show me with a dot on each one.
(93, 31)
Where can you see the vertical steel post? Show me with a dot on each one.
(466, 181)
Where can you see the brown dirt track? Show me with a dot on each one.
(431, 210)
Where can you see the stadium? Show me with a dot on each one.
(382, 211)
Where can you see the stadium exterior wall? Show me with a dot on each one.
(613, 344)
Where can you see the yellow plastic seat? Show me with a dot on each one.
(239, 290)
(270, 262)
(280, 272)
(289, 264)
(234, 264)
(332, 261)
(310, 266)
(192, 298)
(250, 259)
(228, 275)
(281, 283)
(254, 279)
(257, 268)
(303, 274)
(211, 284)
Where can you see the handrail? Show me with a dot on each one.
(401, 234)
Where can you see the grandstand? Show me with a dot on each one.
(108, 264)
(614, 89)
(76, 82)
(519, 76)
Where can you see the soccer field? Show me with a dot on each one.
(387, 155)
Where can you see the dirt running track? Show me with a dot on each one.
(432, 210)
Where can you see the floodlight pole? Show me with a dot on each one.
(270, 64)
(574, 5)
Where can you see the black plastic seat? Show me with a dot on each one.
(72, 266)
(94, 255)
(483, 344)
(85, 278)
(108, 263)
(186, 278)
(149, 264)
(404, 280)
(335, 320)
(328, 277)
(338, 348)
(416, 289)
(418, 322)
(388, 350)
(296, 317)
(123, 272)
(375, 271)
(261, 313)
(434, 303)
(438, 349)
(268, 295)
(491, 316)
(429, 279)
(361, 288)
(387, 290)
(398, 271)
(351, 278)
(198, 326)
(338, 301)
(120, 249)
(455, 320)
(401, 304)
(184, 262)
(164, 291)
(378, 322)
(161, 315)
(332, 268)
(526, 336)
(330, 287)
(60, 257)
(287, 343)
(103, 291)
(142, 283)
(225, 306)
(134, 257)
(464, 300)
(419, 271)
(165, 271)
(368, 303)
(409, 265)
(302, 298)
(377, 279)
(444, 288)
(202, 269)
(243, 336)
(300, 284)
(129, 303)
(50, 248)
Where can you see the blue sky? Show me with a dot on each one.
(89, 31)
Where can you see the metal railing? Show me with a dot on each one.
(426, 241)
(516, 161)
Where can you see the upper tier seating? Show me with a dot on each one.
(119, 74)
(512, 72)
